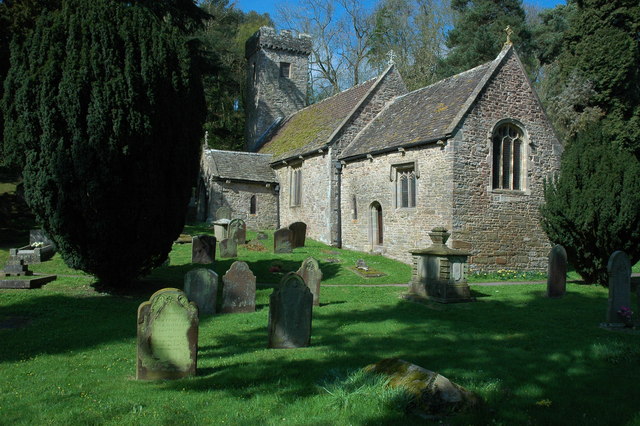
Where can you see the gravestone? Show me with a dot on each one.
(282, 241)
(557, 272)
(167, 336)
(239, 289)
(238, 231)
(312, 275)
(203, 249)
(298, 234)
(201, 286)
(262, 236)
(619, 268)
(228, 248)
(223, 213)
(290, 311)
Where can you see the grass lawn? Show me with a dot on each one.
(68, 353)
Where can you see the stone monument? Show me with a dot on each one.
(228, 248)
(167, 336)
(201, 287)
(239, 289)
(557, 272)
(220, 225)
(312, 275)
(619, 268)
(203, 249)
(238, 231)
(290, 312)
(298, 234)
(282, 241)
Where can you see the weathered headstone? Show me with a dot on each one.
(290, 311)
(312, 275)
(201, 286)
(361, 264)
(262, 236)
(282, 241)
(557, 272)
(239, 289)
(298, 234)
(203, 249)
(238, 231)
(228, 248)
(167, 336)
(223, 213)
(619, 268)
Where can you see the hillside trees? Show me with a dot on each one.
(104, 107)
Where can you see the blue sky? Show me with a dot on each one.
(262, 6)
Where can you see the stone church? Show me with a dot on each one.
(375, 168)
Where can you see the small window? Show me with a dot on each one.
(507, 157)
(285, 69)
(295, 189)
(405, 186)
(354, 208)
(252, 205)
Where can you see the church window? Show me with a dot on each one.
(507, 157)
(252, 204)
(405, 186)
(295, 188)
(285, 69)
(375, 224)
(354, 208)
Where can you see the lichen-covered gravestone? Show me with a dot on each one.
(298, 234)
(290, 310)
(201, 287)
(557, 272)
(223, 213)
(282, 241)
(237, 231)
(167, 336)
(619, 268)
(312, 275)
(239, 289)
(203, 249)
(228, 248)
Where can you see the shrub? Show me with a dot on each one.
(593, 207)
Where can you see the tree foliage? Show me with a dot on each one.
(479, 33)
(104, 107)
(593, 207)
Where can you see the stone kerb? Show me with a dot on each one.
(312, 276)
(201, 287)
(167, 343)
(239, 289)
(290, 312)
(557, 272)
(619, 268)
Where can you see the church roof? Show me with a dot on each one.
(312, 128)
(234, 165)
(424, 115)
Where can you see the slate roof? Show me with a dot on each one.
(312, 127)
(424, 115)
(233, 165)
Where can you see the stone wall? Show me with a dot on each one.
(403, 228)
(501, 227)
(314, 207)
(271, 96)
(237, 196)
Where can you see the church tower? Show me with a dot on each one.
(277, 77)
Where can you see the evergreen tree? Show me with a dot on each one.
(104, 107)
(601, 51)
(479, 33)
(593, 207)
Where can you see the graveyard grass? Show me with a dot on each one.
(68, 353)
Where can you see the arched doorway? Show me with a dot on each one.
(375, 224)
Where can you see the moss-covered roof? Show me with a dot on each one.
(233, 165)
(310, 128)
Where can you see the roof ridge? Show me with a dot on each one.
(236, 152)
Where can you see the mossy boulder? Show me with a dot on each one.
(432, 393)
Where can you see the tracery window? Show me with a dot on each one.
(295, 188)
(405, 187)
(508, 146)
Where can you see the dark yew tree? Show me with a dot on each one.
(104, 108)
(593, 207)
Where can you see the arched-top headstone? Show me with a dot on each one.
(298, 234)
(312, 275)
(239, 289)
(619, 268)
(201, 287)
(167, 336)
(203, 249)
(557, 272)
(290, 311)
(282, 241)
(238, 231)
(223, 213)
(228, 248)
